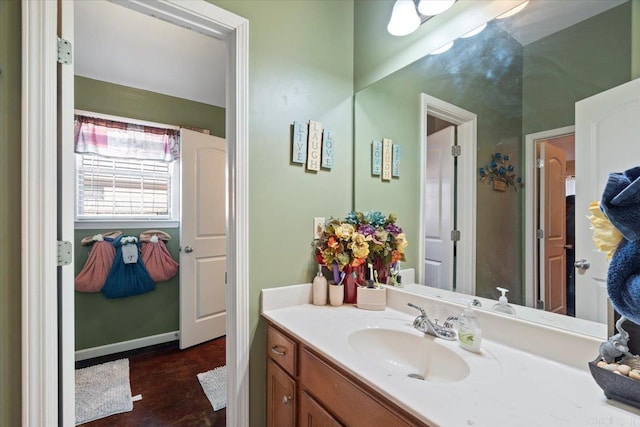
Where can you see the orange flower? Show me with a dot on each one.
(395, 256)
(358, 261)
(333, 243)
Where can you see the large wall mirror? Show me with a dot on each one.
(501, 94)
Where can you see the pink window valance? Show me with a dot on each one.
(111, 138)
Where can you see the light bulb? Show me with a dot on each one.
(513, 11)
(443, 49)
(404, 18)
(434, 7)
(475, 31)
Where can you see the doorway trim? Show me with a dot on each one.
(531, 274)
(467, 124)
(42, 377)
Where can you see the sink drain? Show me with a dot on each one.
(416, 376)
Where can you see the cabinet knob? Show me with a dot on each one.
(286, 399)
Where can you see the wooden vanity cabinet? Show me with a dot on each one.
(305, 387)
(282, 354)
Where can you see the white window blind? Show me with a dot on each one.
(111, 188)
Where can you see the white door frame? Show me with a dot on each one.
(467, 124)
(531, 272)
(41, 399)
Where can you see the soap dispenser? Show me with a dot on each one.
(469, 332)
(319, 288)
(503, 306)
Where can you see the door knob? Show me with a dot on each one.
(582, 264)
(568, 246)
(188, 249)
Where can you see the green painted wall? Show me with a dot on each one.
(100, 321)
(475, 76)
(10, 200)
(109, 98)
(563, 68)
(300, 68)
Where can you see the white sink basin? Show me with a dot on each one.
(408, 354)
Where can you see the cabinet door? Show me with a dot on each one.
(281, 390)
(314, 415)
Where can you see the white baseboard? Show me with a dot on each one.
(118, 347)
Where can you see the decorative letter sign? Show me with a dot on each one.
(376, 158)
(395, 167)
(315, 145)
(386, 159)
(327, 149)
(299, 152)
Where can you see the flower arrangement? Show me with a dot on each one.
(360, 238)
(500, 173)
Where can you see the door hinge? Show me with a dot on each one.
(540, 234)
(65, 252)
(455, 235)
(225, 277)
(64, 51)
(540, 163)
(456, 150)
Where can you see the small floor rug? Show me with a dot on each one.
(214, 384)
(102, 390)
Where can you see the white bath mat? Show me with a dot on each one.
(214, 384)
(102, 390)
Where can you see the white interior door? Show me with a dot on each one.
(203, 238)
(607, 129)
(438, 210)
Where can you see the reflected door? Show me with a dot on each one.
(553, 208)
(607, 129)
(438, 210)
(203, 238)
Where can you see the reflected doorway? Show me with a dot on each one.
(550, 221)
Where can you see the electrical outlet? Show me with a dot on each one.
(318, 225)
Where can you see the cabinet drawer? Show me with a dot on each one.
(347, 401)
(282, 350)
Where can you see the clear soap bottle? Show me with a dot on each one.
(503, 306)
(469, 332)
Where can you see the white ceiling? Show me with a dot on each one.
(117, 45)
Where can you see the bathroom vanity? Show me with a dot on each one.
(331, 366)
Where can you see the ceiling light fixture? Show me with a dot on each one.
(443, 49)
(513, 11)
(404, 18)
(434, 7)
(474, 32)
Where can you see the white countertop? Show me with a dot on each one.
(506, 386)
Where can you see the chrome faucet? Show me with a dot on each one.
(425, 325)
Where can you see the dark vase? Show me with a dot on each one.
(382, 268)
(354, 276)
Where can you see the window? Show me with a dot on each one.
(116, 188)
(123, 188)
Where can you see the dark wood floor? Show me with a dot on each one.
(171, 393)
